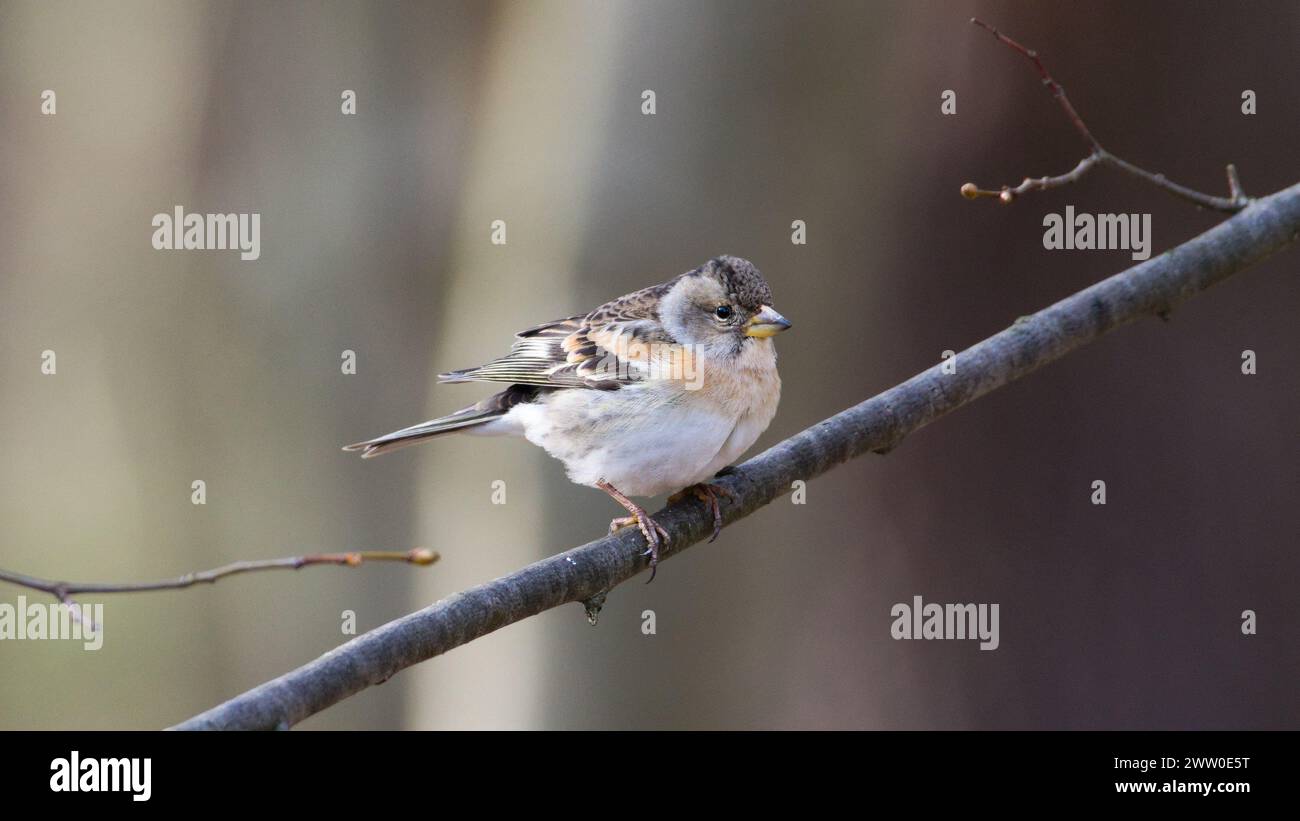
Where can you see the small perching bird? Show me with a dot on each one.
(655, 391)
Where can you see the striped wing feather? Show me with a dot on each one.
(604, 349)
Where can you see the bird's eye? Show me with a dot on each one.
(722, 312)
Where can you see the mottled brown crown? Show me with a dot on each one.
(741, 279)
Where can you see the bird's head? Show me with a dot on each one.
(722, 306)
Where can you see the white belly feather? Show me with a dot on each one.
(654, 437)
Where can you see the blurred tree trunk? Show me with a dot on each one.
(539, 123)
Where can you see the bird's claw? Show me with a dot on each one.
(652, 531)
(708, 493)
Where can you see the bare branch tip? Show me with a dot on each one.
(971, 191)
(422, 556)
(1235, 190)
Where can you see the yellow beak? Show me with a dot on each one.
(765, 323)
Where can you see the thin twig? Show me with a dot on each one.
(1234, 183)
(971, 191)
(1098, 155)
(1052, 86)
(64, 591)
(585, 574)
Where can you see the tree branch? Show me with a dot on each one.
(585, 574)
(1099, 155)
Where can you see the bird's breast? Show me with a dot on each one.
(655, 437)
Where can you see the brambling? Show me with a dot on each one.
(653, 392)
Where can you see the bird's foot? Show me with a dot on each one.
(707, 493)
(654, 533)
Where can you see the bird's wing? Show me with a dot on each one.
(605, 349)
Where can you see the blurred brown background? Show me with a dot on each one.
(176, 366)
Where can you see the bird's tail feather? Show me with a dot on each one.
(493, 407)
(416, 434)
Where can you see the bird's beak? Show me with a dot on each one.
(765, 323)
